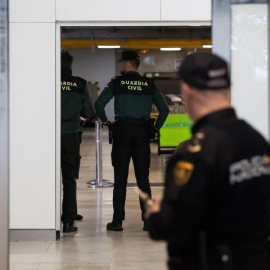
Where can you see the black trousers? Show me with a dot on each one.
(70, 164)
(131, 140)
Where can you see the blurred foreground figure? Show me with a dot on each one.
(215, 210)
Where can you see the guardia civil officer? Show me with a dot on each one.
(75, 103)
(134, 96)
(215, 209)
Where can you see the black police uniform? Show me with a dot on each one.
(134, 96)
(220, 183)
(218, 186)
(75, 102)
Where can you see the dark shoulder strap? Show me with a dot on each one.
(116, 77)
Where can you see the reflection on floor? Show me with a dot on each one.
(92, 247)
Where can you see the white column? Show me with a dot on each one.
(4, 138)
(32, 118)
(249, 66)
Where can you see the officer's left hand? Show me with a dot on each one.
(155, 208)
(107, 122)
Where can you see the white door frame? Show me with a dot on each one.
(60, 24)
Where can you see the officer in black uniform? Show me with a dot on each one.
(134, 96)
(218, 187)
(75, 103)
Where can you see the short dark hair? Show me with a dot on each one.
(66, 58)
(135, 63)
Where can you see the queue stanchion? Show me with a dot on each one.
(99, 182)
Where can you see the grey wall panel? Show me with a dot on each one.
(32, 235)
(4, 137)
(97, 65)
(221, 28)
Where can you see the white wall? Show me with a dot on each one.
(98, 65)
(250, 64)
(133, 10)
(32, 114)
(186, 10)
(32, 11)
(32, 125)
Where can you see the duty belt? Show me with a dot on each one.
(131, 121)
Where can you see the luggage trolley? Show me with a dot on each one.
(176, 129)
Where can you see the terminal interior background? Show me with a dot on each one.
(36, 37)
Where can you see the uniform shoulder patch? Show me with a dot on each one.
(195, 145)
(182, 172)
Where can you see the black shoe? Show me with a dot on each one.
(115, 226)
(69, 227)
(78, 217)
(146, 227)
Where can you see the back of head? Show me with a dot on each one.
(205, 84)
(132, 57)
(66, 58)
(205, 71)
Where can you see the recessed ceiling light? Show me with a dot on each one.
(109, 46)
(207, 46)
(170, 49)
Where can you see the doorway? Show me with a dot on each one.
(96, 46)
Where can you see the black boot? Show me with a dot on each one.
(78, 217)
(145, 226)
(115, 226)
(69, 227)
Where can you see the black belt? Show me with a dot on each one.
(131, 121)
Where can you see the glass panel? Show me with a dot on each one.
(250, 64)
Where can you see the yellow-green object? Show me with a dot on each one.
(176, 129)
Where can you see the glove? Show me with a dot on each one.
(152, 133)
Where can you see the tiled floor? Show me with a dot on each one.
(92, 247)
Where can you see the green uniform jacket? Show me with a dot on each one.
(129, 106)
(75, 102)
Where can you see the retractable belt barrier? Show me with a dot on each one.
(99, 182)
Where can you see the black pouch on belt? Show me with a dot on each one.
(81, 130)
(151, 128)
(78, 166)
(111, 128)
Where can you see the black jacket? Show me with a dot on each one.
(219, 183)
(75, 101)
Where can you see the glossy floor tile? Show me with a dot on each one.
(92, 247)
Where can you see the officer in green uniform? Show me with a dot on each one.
(75, 103)
(134, 96)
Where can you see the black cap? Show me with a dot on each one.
(205, 71)
(129, 55)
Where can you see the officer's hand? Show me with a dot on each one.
(155, 208)
(106, 123)
(152, 133)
